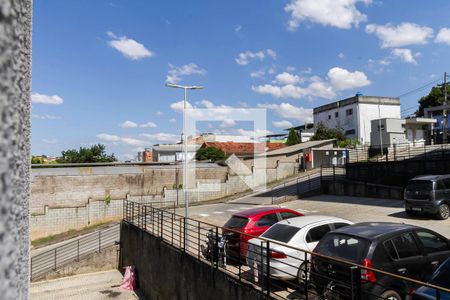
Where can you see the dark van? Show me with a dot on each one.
(428, 194)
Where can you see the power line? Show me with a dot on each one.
(419, 88)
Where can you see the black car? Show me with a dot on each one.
(428, 194)
(401, 249)
(440, 278)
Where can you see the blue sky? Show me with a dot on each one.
(98, 64)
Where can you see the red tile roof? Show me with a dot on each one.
(243, 148)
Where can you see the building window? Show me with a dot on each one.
(329, 117)
(349, 112)
(349, 132)
(336, 114)
(382, 127)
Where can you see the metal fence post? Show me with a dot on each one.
(216, 250)
(198, 239)
(162, 223)
(55, 259)
(305, 284)
(355, 279)
(268, 268)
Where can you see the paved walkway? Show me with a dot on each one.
(93, 286)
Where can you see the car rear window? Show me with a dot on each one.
(343, 246)
(280, 232)
(236, 222)
(420, 185)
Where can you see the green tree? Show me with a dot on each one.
(434, 98)
(36, 160)
(210, 153)
(96, 153)
(325, 133)
(292, 138)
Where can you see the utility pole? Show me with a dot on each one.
(444, 113)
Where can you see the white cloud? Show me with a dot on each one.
(176, 74)
(401, 35)
(271, 53)
(159, 113)
(341, 55)
(46, 99)
(342, 14)
(148, 125)
(237, 28)
(227, 123)
(244, 57)
(173, 120)
(128, 47)
(254, 133)
(108, 137)
(128, 124)
(342, 79)
(404, 54)
(258, 74)
(289, 111)
(288, 78)
(46, 117)
(133, 142)
(207, 104)
(282, 124)
(162, 137)
(338, 79)
(178, 106)
(443, 36)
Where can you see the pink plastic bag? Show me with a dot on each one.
(129, 279)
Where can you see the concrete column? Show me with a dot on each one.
(15, 80)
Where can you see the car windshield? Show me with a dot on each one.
(343, 246)
(236, 222)
(280, 232)
(419, 185)
(441, 276)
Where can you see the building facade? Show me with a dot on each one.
(173, 152)
(354, 115)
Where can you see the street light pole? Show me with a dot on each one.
(379, 127)
(185, 159)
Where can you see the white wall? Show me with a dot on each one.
(369, 112)
(343, 121)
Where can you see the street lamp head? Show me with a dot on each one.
(186, 87)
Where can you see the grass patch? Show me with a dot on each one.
(72, 233)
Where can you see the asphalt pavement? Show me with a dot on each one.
(356, 209)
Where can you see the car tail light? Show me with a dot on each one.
(367, 275)
(277, 254)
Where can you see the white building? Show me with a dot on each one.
(173, 152)
(414, 131)
(354, 115)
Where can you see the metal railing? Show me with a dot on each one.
(300, 186)
(398, 152)
(75, 250)
(276, 269)
(72, 251)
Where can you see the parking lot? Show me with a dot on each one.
(355, 209)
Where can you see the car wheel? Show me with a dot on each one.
(302, 274)
(444, 212)
(411, 212)
(391, 295)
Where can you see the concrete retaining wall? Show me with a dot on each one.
(164, 272)
(361, 189)
(61, 202)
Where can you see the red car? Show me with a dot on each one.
(252, 221)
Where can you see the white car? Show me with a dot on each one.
(301, 233)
